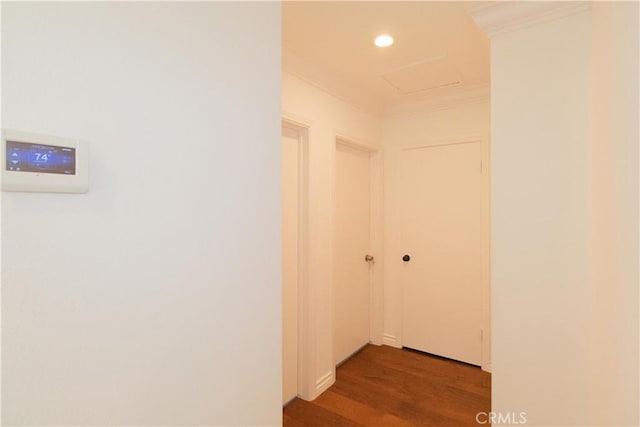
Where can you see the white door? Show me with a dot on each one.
(352, 227)
(290, 182)
(440, 196)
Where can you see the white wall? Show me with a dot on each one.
(465, 122)
(613, 227)
(326, 118)
(565, 218)
(539, 115)
(154, 299)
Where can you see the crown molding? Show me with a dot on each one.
(502, 17)
(473, 95)
(316, 76)
(437, 99)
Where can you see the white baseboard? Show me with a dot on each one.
(390, 340)
(324, 382)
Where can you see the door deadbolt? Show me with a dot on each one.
(369, 258)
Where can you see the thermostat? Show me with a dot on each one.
(43, 163)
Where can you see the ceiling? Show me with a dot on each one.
(439, 54)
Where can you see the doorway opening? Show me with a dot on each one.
(398, 99)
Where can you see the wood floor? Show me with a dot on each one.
(386, 386)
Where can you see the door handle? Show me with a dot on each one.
(369, 258)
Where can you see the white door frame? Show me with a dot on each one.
(306, 381)
(309, 386)
(376, 295)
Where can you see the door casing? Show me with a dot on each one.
(305, 349)
(310, 382)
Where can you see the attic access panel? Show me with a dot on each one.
(432, 73)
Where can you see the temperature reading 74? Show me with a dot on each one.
(42, 157)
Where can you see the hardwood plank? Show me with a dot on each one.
(310, 414)
(358, 412)
(386, 386)
(288, 420)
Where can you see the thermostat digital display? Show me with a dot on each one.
(29, 157)
(37, 163)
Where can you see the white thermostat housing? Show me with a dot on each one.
(43, 163)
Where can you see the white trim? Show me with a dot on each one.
(377, 246)
(336, 87)
(502, 17)
(346, 93)
(485, 208)
(352, 142)
(306, 342)
(426, 143)
(295, 121)
(444, 144)
(390, 340)
(474, 95)
(324, 382)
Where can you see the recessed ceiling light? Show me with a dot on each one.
(384, 40)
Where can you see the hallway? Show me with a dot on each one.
(386, 386)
